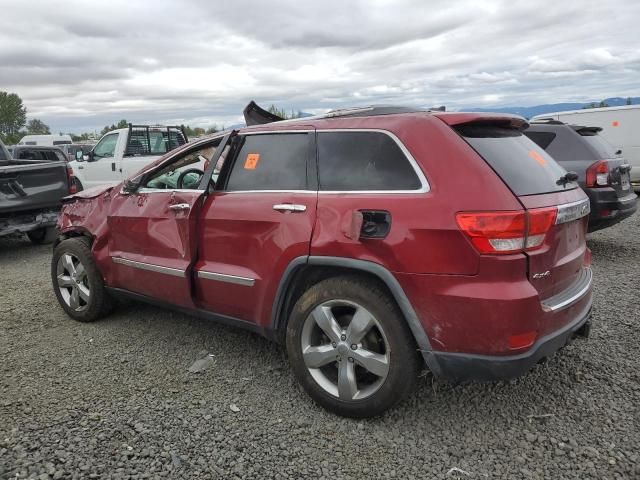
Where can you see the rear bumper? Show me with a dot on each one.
(23, 223)
(607, 208)
(463, 368)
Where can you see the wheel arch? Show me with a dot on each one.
(305, 271)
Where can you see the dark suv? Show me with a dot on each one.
(371, 242)
(602, 172)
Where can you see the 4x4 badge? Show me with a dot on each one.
(542, 275)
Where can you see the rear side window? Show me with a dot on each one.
(361, 161)
(525, 167)
(271, 162)
(543, 139)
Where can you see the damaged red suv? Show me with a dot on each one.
(371, 242)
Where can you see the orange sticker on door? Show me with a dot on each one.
(252, 161)
(537, 157)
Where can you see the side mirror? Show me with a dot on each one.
(130, 187)
(88, 157)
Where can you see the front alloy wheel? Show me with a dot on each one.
(72, 282)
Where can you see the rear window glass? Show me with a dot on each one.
(358, 161)
(525, 167)
(603, 148)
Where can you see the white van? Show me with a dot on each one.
(46, 140)
(620, 127)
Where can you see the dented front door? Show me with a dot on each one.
(152, 243)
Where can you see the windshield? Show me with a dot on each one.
(525, 167)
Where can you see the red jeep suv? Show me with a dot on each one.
(372, 242)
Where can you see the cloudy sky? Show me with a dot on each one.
(79, 65)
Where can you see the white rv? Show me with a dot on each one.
(46, 140)
(620, 126)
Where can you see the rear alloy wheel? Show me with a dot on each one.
(350, 348)
(77, 283)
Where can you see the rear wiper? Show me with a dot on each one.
(566, 178)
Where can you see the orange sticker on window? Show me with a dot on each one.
(615, 123)
(537, 157)
(252, 161)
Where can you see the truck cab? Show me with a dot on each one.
(121, 153)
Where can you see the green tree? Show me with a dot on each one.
(603, 104)
(282, 113)
(36, 126)
(13, 116)
(122, 124)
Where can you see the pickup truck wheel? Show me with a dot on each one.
(350, 347)
(42, 235)
(77, 282)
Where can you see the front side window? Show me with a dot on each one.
(106, 147)
(271, 162)
(184, 172)
(362, 161)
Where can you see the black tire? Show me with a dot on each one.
(99, 302)
(42, 235)
(403, 356)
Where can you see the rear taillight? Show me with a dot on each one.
(598, 174)
(72, 184)
(501, 233)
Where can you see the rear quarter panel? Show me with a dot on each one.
(424, 236)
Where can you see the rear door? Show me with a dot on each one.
(258, 220)
(559, 261)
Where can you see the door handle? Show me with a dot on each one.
(179, 206)
(289, 207)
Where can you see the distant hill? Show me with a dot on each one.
(529, 112)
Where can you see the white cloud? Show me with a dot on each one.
(81, 64)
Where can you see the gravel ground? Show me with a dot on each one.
(115, 399)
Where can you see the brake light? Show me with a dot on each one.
(72, 185)
(598, 174)
(501, 233)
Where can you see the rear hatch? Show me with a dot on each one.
(30, 185)
(617, 167)
(554, 205)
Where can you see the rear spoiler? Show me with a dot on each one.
(255, 115)
(586, 131)
(454, 119)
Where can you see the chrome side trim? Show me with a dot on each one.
(569, 212)
(176, 272)
(221, 277)
(572, 294)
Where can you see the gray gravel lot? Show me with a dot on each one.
(115, 399)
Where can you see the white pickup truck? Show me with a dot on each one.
(121, 153)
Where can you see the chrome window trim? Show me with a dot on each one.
(223, 277)
(568, 212)
(424, 183)
(167, 190)
(176, 272)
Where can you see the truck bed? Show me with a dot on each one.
(31, 185)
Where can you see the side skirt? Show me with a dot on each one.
(195, 312)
